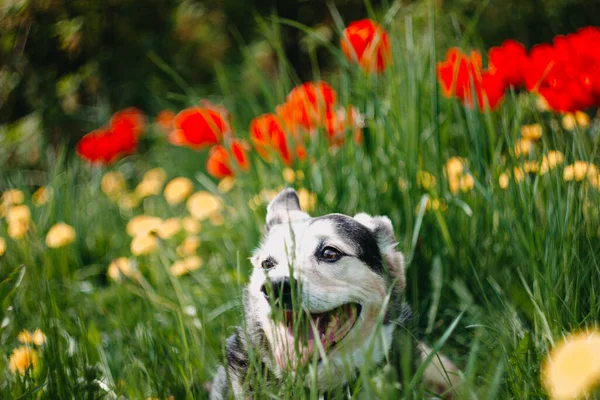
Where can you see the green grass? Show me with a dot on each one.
(513, 269)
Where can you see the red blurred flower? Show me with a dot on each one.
(461, 74)
(366, 42)
(128, 120)
(267, 135)
(509, 62)
(218, 162)
(338, 122)
(306, 106)
(104, 146)
(567, 72)
(239, 149)
(198, 127)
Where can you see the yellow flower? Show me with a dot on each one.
(156, 174)
(144, 244)
(300, 175)
(454, 167)
(21, 359)
(203, 204)
(142, 225)
(190, 225)
(466, 182)
(551, 160)
(425, 180)
(519, 174)
(18, 229)
(523, 147)
(186, 265)
(572, 367)
(216, 219)
(289, 175)
(308, 200)
(572, 120)
(530, 167)
(39, 338)
(266, 195)
(579, 170)
(177, 190)
(113, 184)
(169, 228)
(151, 183)
(503, 180)
(189, 246)
(541, 104)
(12, 197)
(41, 196)
(60, 235)
(20, 213)
(2, 246)
(120, 267)
(531, 132)
(226, 184)
(27, 337)
(128, 201)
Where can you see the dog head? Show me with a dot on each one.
(320, 287)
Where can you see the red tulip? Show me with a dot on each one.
(366, 43)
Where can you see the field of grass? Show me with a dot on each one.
(498, 271)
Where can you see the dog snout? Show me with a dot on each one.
(279, 291)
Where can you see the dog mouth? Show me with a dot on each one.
(298, 331)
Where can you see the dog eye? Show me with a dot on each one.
(268, 263)
(331, 254)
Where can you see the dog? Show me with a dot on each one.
(325, 292)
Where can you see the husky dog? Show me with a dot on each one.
(345, 276)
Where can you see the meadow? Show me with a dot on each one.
(494, 195)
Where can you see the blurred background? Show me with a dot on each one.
(65, 65)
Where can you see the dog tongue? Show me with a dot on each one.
(331, 327)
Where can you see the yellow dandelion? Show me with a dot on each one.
(308, 200)
(541, 104)
(60, 235)
(156, 174)
(2, 246)
(121, 267)
(531, 132)
(466, 182)
(113, 184)
(579, 170)
(583, 120)
(177, 190)
(289, 175)
(572, 367)
(552, 159)
(25, 337)
(41, 196)
(18, 229)
(226, 184)
(147, 188)
(454, 184)
(186, 265)
(203, 204)
(142, 225)
(13, 197)
(425, 180)
(191, 225)
(144, 244)
(523, 147)
(169, 228)
(19, 213)
(454, 167)
(39, 338)
(21, 359)
(189, 246)
(570, 121)
(300, 175)
(530, 167)
(503, 180)
(216, 219)
(128, 201)
(518, 174)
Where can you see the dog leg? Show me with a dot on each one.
(441, 375)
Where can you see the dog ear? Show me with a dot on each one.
(383, 230)
(285, 207)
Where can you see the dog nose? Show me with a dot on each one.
(281, 292)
